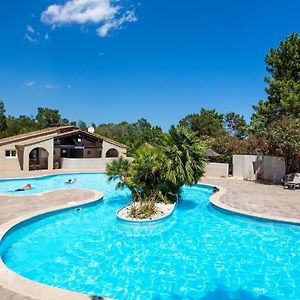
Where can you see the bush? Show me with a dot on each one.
(157, 173)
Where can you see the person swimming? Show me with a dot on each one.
(70, 181)
(24, 188)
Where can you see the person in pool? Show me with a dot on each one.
(70, 181)
(24, 188)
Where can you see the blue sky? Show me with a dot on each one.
(108, 61)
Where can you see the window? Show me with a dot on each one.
(10, 153)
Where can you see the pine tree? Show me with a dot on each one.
(283, 65)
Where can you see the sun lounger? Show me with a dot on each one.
(294, 183)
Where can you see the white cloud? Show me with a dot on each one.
(31, 35)
(29, 38)
(30, 83)
(47, 36)
(129, 16)
(30, 29)
(105, 12)
(49, 86)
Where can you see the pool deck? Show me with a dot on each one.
(249, 198)
(254, 199)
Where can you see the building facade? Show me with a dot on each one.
(50, 148)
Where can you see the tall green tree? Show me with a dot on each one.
(47, 117)
(82, 125)
(143, 125)
(22, 124)
(208, 122)
(283, 66)
(132, 134)
(283, 139)
(235, 125)
(3, 121)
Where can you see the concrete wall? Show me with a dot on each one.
(47, 145)
(106, 146)
(244, 166)
(84, 163)
(9, 163)
(252, 167)
(216, 170)
(274, 169)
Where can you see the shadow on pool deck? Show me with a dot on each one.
(96, 298)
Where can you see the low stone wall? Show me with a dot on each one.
(217, 170)
(163, 212)
(85, 163)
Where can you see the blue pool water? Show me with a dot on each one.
(95, 181)
(197, 253)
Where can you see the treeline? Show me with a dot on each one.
(131, 134)
(274, 128)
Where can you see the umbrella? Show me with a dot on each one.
(211, 153)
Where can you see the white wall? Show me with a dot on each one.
(85, 163)
(244, 166)
(252, 167)
(216, 170)
(273, 169)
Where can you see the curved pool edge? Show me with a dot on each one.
(20, 285)
(144, 221)
(50, 174)
(215, 201)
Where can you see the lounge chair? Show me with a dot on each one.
(293, 182)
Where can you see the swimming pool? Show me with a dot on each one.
(95, 181)
(197, 253)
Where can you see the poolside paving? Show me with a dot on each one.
(260, 199)
(12, 206)
(254, 198)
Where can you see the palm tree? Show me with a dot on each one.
(146, 168)
(158, 173)
(119, 170)
(184, 161)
